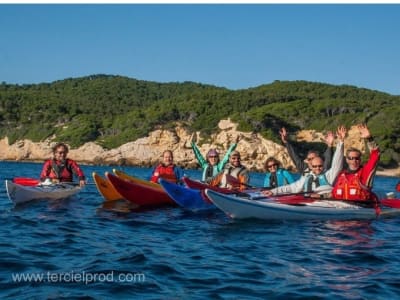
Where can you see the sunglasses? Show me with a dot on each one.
(270, 166)
(60, 152)
(353, 158)
(317, 166)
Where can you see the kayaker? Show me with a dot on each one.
(275, 175)
(212, 165)
(318, 182)
(304, 166)
(355, 181)
(234, 169)
(167, 170)
(60, 168)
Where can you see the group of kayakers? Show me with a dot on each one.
(321, 177)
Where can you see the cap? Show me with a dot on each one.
(212, 152)
(235, 153)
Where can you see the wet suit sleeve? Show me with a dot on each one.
(45, 170)
(223, 162)
(77, 170)
(328, 158)
(298, 162)
(288, 177)
(369, 169)
(199, 157)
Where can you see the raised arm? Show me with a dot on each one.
(369, 168)
(338, 157)
(225, 159)
(298, 162)
(200, 158)
(329, 139)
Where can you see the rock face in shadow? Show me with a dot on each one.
(147, 151)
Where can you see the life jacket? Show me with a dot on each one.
(165, 172)
(314, 181)
(269, 180)
(236, 172)
(61, 171)
(209, 172)
(349, 187)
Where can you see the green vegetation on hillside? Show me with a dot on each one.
(113, 110)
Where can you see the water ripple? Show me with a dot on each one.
(184, 255)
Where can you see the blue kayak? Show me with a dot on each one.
(187, 198)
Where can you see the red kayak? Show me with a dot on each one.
(140, 194)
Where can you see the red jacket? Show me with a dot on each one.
(357, 185)
(169, 173)
(55, 169)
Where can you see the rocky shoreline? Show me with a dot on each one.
(147, 151)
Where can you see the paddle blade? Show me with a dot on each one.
(393, 203)
(398, 187)
(26, 181)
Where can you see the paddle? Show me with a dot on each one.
(236, 182)
(27, 181)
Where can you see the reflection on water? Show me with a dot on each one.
(119, 206)
(180, 252)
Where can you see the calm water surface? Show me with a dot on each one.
(81, 248)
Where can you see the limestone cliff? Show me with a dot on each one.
(147, 151)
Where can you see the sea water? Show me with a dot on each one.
(82, 248)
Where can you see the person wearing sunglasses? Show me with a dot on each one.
(304, 166)
(60, 168)
(233, 170)
(212, 165)
(355, 181)
(318, 183)
(275, 175)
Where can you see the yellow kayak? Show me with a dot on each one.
(106, 189)
(133, 179)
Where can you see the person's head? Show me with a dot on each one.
(310, 156)
(317, 165)
(234, 158)
(212, 157)
(271, 165)
(167, 158)
(353, 158)
(60, 151)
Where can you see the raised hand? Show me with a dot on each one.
(341, 132)
(238, 138)
(364, 131)
(283, 134)
(329, 138)
(267, 193)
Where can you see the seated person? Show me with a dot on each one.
(233, 170)
(318, 182)
(167, 170)
(276, 176)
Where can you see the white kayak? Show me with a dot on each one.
(21, 193)
(271, 209)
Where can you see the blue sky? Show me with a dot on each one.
(229, 45)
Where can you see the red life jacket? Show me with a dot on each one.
(63, 171)
(165, 172)
(349, 187)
